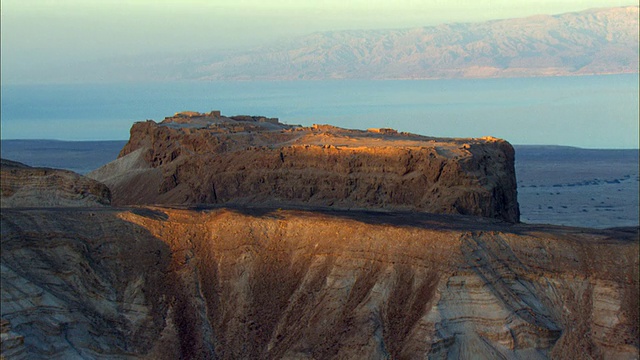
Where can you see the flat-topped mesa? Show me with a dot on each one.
(205, 159)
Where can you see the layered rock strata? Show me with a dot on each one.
(196, 158)
(265, 283)
(224, 281)
(25, 186)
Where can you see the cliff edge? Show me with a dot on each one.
(193, 158)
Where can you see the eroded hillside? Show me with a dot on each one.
(251, 283)
(24, 186)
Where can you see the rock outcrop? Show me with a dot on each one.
(265, 283)
(196, 158)
(299, 276)
(25, 186)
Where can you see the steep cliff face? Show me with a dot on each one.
(268, 283)
(246, 160)
(25, 186)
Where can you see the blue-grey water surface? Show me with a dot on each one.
(586, 111)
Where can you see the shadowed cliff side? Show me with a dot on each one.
(267, 283)
(80, 284)
(194, 158)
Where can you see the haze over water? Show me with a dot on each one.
(587, 111)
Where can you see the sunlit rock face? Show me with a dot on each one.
(253, 283)
(196, 158)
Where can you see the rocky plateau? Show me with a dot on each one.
(277, 271)
(194, 158)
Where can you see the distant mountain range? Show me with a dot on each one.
(597, 41)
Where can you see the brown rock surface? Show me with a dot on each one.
(307, 282)
(265, 283)
(203, 159)
(25, 186)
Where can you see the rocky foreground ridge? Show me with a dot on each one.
(194, 158)
(266, 283)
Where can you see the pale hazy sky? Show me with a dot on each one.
(60, 31)
(51, 36)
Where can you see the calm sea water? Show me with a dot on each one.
(588, 111)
